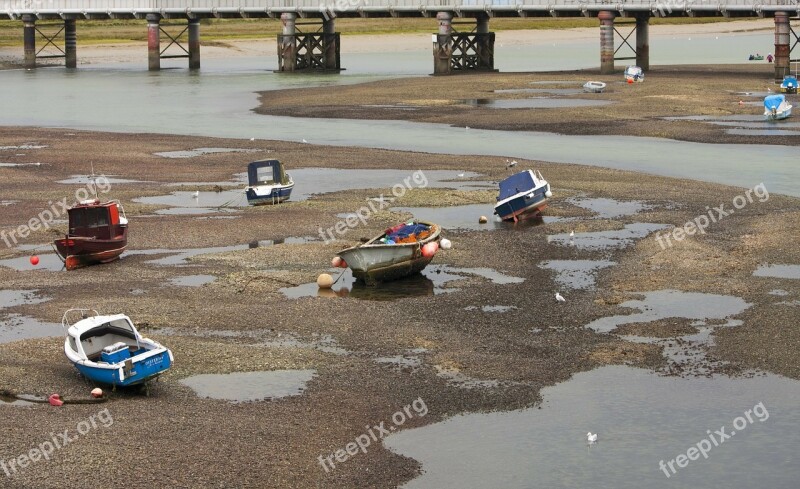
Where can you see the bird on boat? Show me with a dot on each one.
(591, 438)
(560, 298)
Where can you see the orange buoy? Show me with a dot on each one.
(336, 262)
(55, 400)
(430, 249)
(630, 80)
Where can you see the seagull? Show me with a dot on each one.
(467, 128)
(511, 164)
(572, 234)
(560, 298)
(196, 194)
(305, 141)
(590, 437)
(252, 139)
(461, 175)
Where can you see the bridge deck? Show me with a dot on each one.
(138, 9)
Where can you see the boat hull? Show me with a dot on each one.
(142, 368)
(375, 263)
(594, 87)
(778, 115)
(530, 204)
(275, 195)
(77, 252)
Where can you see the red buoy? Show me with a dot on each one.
(34, 260)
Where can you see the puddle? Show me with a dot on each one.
(11, 298)
(747, 124)
(392, 106)
(180, 257)
(313, 181)
(607, 239)
(7, 202)
(533, 103)
(640, 417)
(47, 261)
(778, 271)
(662, 304)
(23, 146)
(466, 217)
(14, 401)
(11, 165)
(192, 280)
(250, 386)
(192, 153)
(762, 132)
(15, 327)
(576, 274)
(554, 91)
(431, 281)
(778, 292)
(402, 362)
(609, 208)
(86, 179)
(500, 309)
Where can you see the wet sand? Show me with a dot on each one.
(241, 321)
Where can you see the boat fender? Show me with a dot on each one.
(548, 194)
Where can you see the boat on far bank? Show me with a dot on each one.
(400, 251)
(594, 86)
(756, 57)
(789, 84)
(98, 233)
(522, 194)
(268, 183)
(776, 107)
(634, 74)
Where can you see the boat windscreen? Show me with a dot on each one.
(87, 217)
(267, 172)
(118, 327)
(519, 182)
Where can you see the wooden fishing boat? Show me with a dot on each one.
(396, 253)
(522, 194)
(109, 350)
(98, 233)
(268, 183)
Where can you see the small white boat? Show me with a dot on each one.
(634, 74)
(776, 107)
(594, 86)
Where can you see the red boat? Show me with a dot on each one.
(98, 233)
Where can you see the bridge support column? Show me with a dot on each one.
(70, 44)
(153, 42)
(331, 44)
(29, 35)
(782, 49)
(287, 46)
(443, 47)
(643, 41)
(485, 43)
(194, 44)
(606, 41)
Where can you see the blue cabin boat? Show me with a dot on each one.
(109, 350)
(523, 193)
(789, 84)
(776, 107)
(268, 183)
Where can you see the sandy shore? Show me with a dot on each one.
(137, 51)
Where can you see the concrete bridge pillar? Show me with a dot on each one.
(606, 41)
(330, 40)
(485, 43)
(70, 44)
(287, 55)
(194, 44)
(443, 48)
(782, 49)
(643, 41)
(29, 36)
(153, 42)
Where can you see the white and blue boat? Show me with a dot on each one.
(776, 107)
(634, 74)
(789, 84)
(109, 350)
(523, 193)
(268, 183)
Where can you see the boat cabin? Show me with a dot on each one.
(524, 181)
(91, 219)
(266, 172)
(104, 338)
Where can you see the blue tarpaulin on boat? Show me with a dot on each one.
(407, 230)
(516, 183)
(773, 101)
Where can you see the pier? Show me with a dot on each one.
(462, 40)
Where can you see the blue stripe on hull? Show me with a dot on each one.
(522, 205)
(142, 371)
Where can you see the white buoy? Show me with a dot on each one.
(560, 298)
(445, 244)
